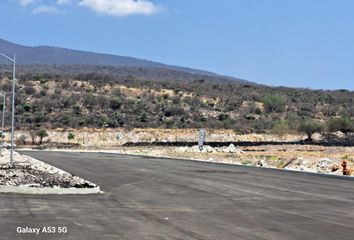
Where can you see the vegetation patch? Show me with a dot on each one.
(73, 97)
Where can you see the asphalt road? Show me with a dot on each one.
(153, 198)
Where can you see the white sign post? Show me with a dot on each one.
(201, 139)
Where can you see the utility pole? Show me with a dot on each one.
(3, 94)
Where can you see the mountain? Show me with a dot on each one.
(46, 55)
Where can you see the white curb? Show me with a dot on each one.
(46, 190)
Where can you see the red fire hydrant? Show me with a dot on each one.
(345, 169)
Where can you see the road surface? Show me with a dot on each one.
(155, 198)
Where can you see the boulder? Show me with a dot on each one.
(317, 137)
(339, 135)
(208, 149)
(325, 162)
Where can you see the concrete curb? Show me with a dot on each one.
(43, 191)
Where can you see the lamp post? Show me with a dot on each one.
(3, 94)
(13, 60)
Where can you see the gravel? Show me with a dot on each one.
(31, 172)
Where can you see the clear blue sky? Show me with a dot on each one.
(303, 43)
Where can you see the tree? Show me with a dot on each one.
(71, 136)
(342, 124)
(273, 103)
(309, 127)
(42, 133)
(33, 135)
(21, 140)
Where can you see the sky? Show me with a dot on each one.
(296, 43)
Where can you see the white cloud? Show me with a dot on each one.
(62, 2)
(121, 7)
(103, 7)
(46, 9)
(27, 2)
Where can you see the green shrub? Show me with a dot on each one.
(71, 136)
(27, 107)
(273, 103)
(281, 128)
(342, 124)
(116, 103)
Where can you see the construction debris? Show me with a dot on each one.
(208, 149)
(316, 165)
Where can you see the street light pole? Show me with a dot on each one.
(2, 120)
(13, 103)
(13, 110)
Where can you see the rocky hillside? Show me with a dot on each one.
(68, 99)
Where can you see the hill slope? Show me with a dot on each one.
(76, 100)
